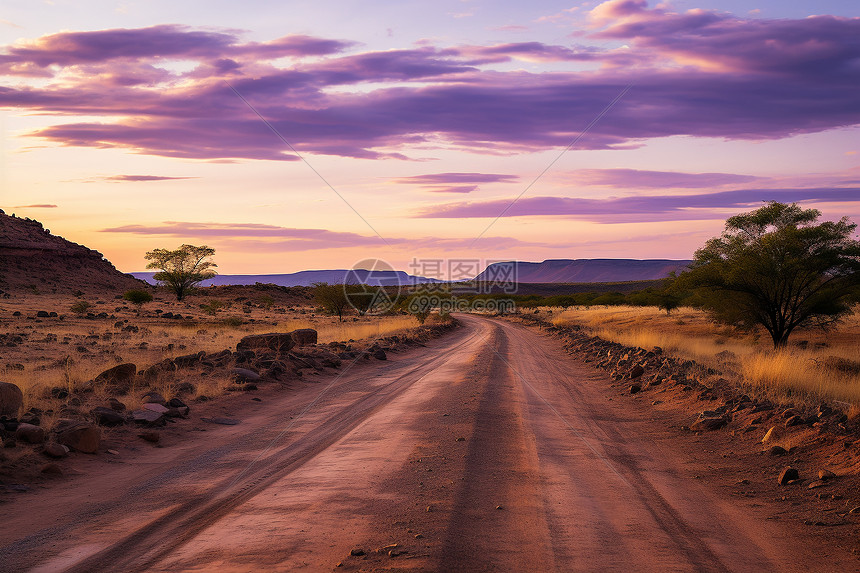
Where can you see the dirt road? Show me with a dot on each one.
(488, 450)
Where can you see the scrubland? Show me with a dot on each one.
(816, 364)
(44, 354)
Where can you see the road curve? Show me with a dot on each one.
(488, 450)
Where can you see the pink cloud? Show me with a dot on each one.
(273, 238)
(142, 178)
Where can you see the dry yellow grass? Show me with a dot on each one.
(689, 333)
(56, 361)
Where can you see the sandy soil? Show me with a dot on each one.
(488, 450)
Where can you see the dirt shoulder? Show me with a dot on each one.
(737, 444)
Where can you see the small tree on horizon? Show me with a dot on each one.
(182, 269)
(779, 268)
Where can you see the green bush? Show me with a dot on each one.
(137, 296)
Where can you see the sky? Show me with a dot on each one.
(313, 135)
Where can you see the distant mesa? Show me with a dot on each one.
(551, 271)
(583, 270)
(33, 259)
(307, 278)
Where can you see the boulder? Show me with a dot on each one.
(55, 450)
(826, 474)
(155, 407)
(379, 354)
(304, 336)
(30, 434)
(709, 423)
(636, 372)
(11, 399)
(119, 377)
(151, 373)
(280, 342)
(147, 417)
(116, 405)
(788, 474)
(772, 434)
(154, 397)
(188, 360)
(79, 435)
(244, 375)
(106, 416)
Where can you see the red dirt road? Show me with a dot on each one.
(488, 450)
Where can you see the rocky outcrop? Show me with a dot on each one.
(32, 258)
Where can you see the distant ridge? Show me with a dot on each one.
(582, 270)
(307, 278)
(550, 271)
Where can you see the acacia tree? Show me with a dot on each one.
(182, 269)
(780, 268)
(332, 298)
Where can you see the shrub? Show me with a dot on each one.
(137, 296)
(80, 307)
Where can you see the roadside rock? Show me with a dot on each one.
(156, 407)
(794, 420)
(105, 416)
(78, 435)
(636, 372)
(116, 405)
(777, 451)
(304, 336)
(773, 433)
(787, 474)
(11, 399)
(379, 354)
(152, 372)
(826, 474)
(147, 417)
(244, 375)
(154, 398)
(55, 450)
(30, 434)
(119, 377)
(709, 423)
(280, 342)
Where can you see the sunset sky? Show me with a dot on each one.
(134, 125)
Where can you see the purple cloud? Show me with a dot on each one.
(454, 178)
(643, 179)
(454, 182)
(725, 89)
(640, 208)
(815, 46)
(38, 206)
(164, 41)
